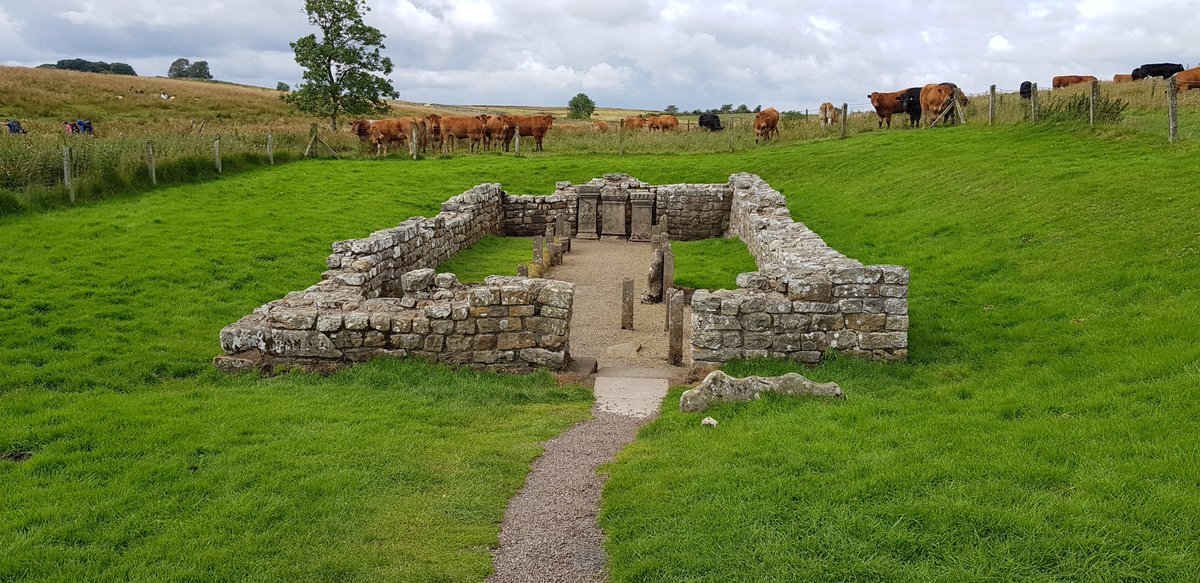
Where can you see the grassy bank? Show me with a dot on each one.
(1044, 427)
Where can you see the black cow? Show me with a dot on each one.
(1163, 70)
(711, 122)
(1026, 90)
(910, 102)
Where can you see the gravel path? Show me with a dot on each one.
(550, 532)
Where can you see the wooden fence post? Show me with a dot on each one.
(621, 137)
(270, 148)
(1033, 93)
(627, 304)
(992, 105)
(845, 114)
(217, 153)
(1093, 101)
(67, 182)
(1172, 110)
(729, 131)
(150, 164)
(312, 140)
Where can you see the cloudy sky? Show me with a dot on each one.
(633, 53)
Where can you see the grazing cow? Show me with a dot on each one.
(1189, 79)
(936, 98)
(766, 122)
(910, 100)
(386, 131)
(1026, 90)
(600, 126)
(710, 122)
(828, 114)
(886, 105)
(461, 128)
(362, 128)
(1163, 70)
(662, 123)
(534, 125)
(502, 128)
(1122, 78)
(1062, 81)
(433, 122)
(635, 123)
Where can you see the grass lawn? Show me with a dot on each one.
(1044, 427)
(711, 263)
(490, 256)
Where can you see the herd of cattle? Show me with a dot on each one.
(481, 132)
(932, 100)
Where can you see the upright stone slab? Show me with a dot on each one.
(586, 211)
(612, 210)
(642, 201)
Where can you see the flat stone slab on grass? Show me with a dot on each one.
(633, 397)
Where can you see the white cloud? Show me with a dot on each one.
(999, 44)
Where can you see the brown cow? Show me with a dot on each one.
(457, 128)
(936, 98)
(386, 131)
(662, 123)
(828, 114)
(1189, 79)
(766, 122)
(434, 124)
(500, 128)
(1122, 78)
(886, 105)
(635, 123)
(1068, 80)
(534, 125)
(600, 126)
(362, 128)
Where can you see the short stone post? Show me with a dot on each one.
(668, 282)
(516, 142)
(675, 334)
(627, 304)
(67, 182)
(270, 148)
(1172, 110)
(412, 144)
(523, 270)
(537, 250)
(150, 164)
(845, 114)
(992, 105)
(217, 153)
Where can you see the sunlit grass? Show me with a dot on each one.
(711, 263)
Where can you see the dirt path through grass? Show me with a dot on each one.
(550, 531)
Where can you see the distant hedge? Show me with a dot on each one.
(91, 67)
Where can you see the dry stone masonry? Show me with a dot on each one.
(381, 296)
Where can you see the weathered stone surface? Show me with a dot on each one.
(719, 387)
(417, 279)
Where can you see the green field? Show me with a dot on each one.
(711, 263)
(1043, 429)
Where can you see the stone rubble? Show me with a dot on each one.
(719, 387)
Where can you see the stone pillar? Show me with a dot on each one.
(642, 201)
(612, 209)
(627, 304)
(675, 334)
(668, 283)
(589, 198)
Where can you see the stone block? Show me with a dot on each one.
(374, 339)
(543, 357)
(420, 325)
(417, 280)
(434, 343)
(483, 296)
(894, 274)
(866, 322)
(715, 322)
(514, 295)
(753, 304)
(851, 290)
(705, 301)
(758, 340)
(757, 322)
(551, 312)
(437, 312)
(893, 291)
(811, 289)
(329, 322)
(730, 306)
(484, 342)
(806, 307)
(792, 322)
(357, 321)
(711, 340)
(897, 306)
(487, 311)
(381, 321)
(896, 323)
(402, 323)
(779, 306)
(828, 322)
(543, 325)
(719, 387)
(557, 294)
(843, 339)
(515, 340)
(458, 343)
(851, 305)
(882, 340)
(441, 326)
(858, 275)
(445, 280)
(294, 319)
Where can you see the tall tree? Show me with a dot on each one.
(178, 68)
(581, 107)
(198, 70)
(671, 110)
(343, 69)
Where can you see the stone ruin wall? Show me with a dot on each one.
(380, 297)
(805, 298)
